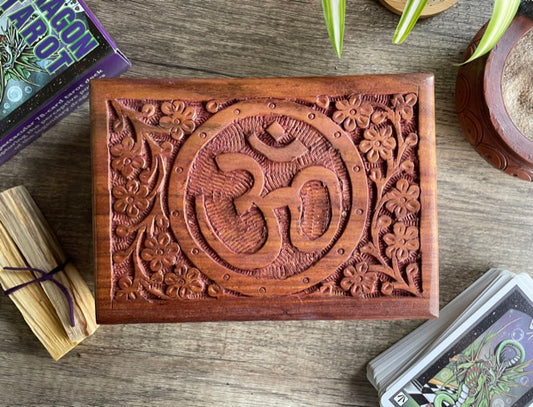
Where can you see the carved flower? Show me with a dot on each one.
(402, 241)
(404, 106)
(184, 282)
(352, 112)
(125, 292)
(126, 160)
(131, 199)
(358, 280)
(178, 118)
(403, 199)
(378, 143)
(160, 252)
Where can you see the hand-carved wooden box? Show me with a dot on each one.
(248, 199)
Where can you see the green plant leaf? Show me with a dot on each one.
(334, 11)
(410, 15)
(502, 15)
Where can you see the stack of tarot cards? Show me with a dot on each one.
(479, 353)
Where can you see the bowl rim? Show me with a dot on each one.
(499, 116)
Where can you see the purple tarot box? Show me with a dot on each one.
(49, 51)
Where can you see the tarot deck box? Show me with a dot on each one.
(277, 198)
(50, 50)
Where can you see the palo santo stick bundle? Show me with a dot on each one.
(38, 314)
(27, 241)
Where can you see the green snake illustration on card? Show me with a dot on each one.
(490, 365)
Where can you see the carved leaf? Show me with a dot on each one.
(413, 272)
(408, 166)
(384, 222)
(157, 278)
(148, 110)
(387, 288)
(119, 257)
(375, 175)
(122, 231)
(322, 101)
(369, 248)
(214, 291)
(327, 288)
(212, 106)
(118, 125)
(411, 139)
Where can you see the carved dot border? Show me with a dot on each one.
(339, 253)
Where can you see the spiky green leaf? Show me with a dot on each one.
(410, 15)
(502, 15)
(21, 70)
(17, 75)
(334, 13)
(504, 387)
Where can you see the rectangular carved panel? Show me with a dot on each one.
(247, 199)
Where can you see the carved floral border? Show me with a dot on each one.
(143, 140)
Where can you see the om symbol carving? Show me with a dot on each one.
(268, 197)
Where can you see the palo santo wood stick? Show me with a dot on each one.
(38, 313)
(35, 240)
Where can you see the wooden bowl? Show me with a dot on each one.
(432, 8)
(481, 109)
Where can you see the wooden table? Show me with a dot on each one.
(484, 215)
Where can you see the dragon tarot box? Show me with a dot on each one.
(50, 50)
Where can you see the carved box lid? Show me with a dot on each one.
(248, 199)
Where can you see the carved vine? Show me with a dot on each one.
(394, 237)
(144, 138)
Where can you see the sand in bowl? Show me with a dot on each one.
(518, 85)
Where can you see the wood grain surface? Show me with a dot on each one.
(485, 216)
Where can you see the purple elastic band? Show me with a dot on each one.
(45, 277)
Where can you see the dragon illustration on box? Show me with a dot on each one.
(17, 59)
